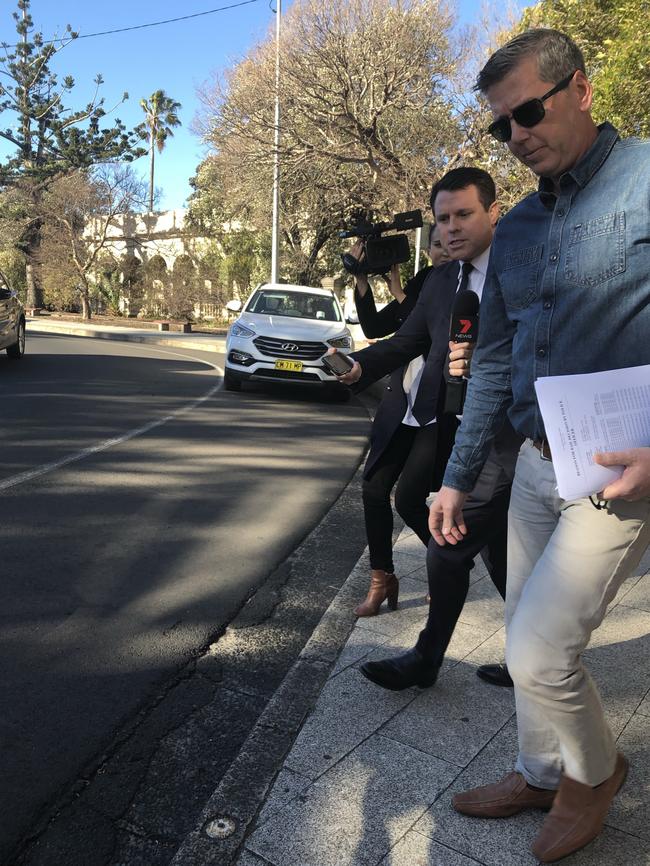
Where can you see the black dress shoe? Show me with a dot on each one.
(496, 674)
(401, 672)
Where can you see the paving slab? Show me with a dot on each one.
(361, 643)
(407, 564)
(454, 720)
(356, 812)
(414, 849)
(644, 706)
(287, 786)
(639, 595)
(630, 811)
(350, 710)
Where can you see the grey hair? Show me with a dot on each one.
(557, 56)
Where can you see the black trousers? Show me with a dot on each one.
(486, 515)
(409, 457)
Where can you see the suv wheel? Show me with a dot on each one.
(17, 350)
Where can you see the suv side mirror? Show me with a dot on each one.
(352, 319)
(233, 306)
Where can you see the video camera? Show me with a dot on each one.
(381, 252)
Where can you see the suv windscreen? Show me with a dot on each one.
(298, 305)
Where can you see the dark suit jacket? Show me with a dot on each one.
(425, 332)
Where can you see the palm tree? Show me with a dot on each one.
(161, 115)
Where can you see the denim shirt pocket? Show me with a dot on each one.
(520, 276)
(596, 250)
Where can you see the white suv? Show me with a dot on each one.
(282, 334)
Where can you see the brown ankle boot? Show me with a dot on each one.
(578, 815)
(383, 585)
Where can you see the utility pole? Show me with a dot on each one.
(275, 234)
(418, 247)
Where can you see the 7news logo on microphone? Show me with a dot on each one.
(462, 329)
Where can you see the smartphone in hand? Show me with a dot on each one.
(337, 363)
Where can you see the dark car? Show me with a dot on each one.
(12, 322)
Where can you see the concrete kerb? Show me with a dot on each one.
(231, 809)
(199, 342)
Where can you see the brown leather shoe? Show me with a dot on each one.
(578, 815)
(383, 586)
(502, 799)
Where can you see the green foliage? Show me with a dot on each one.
(161, 116)
(236, 257)
(613, 35)
(12, 266)
(109, 288)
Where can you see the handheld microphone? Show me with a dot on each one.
(463, 329)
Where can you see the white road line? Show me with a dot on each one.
(117, 440)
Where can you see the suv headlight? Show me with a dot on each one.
(344, 342)
(239, 330)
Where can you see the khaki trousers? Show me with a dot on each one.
(566, 562)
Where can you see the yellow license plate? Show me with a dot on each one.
(293, 366)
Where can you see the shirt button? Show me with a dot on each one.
(541, 352)
(554, 257)
(560, 212)
(547, 305)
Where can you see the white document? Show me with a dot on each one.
(592, 412)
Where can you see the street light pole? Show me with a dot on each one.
(275, 233)
(418, 248)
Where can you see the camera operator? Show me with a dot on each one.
(405, 456)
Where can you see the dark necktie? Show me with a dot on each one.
(465, 270)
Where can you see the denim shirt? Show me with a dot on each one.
(567, 291)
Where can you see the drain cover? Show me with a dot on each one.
(221, 827)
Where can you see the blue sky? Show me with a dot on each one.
(176, 58)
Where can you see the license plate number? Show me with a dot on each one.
(293, 366)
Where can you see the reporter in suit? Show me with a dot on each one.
(466, 211)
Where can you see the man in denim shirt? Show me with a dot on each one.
(567, 291)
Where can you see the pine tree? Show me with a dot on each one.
(50, 140)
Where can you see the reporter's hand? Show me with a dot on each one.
(460, 358)
(354, 373)
(634, 483)
(446, 522)
(395, 284)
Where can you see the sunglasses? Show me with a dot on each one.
(527, 114)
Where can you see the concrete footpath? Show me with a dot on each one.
(371, 773)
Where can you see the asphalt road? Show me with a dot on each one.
(141, 507)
